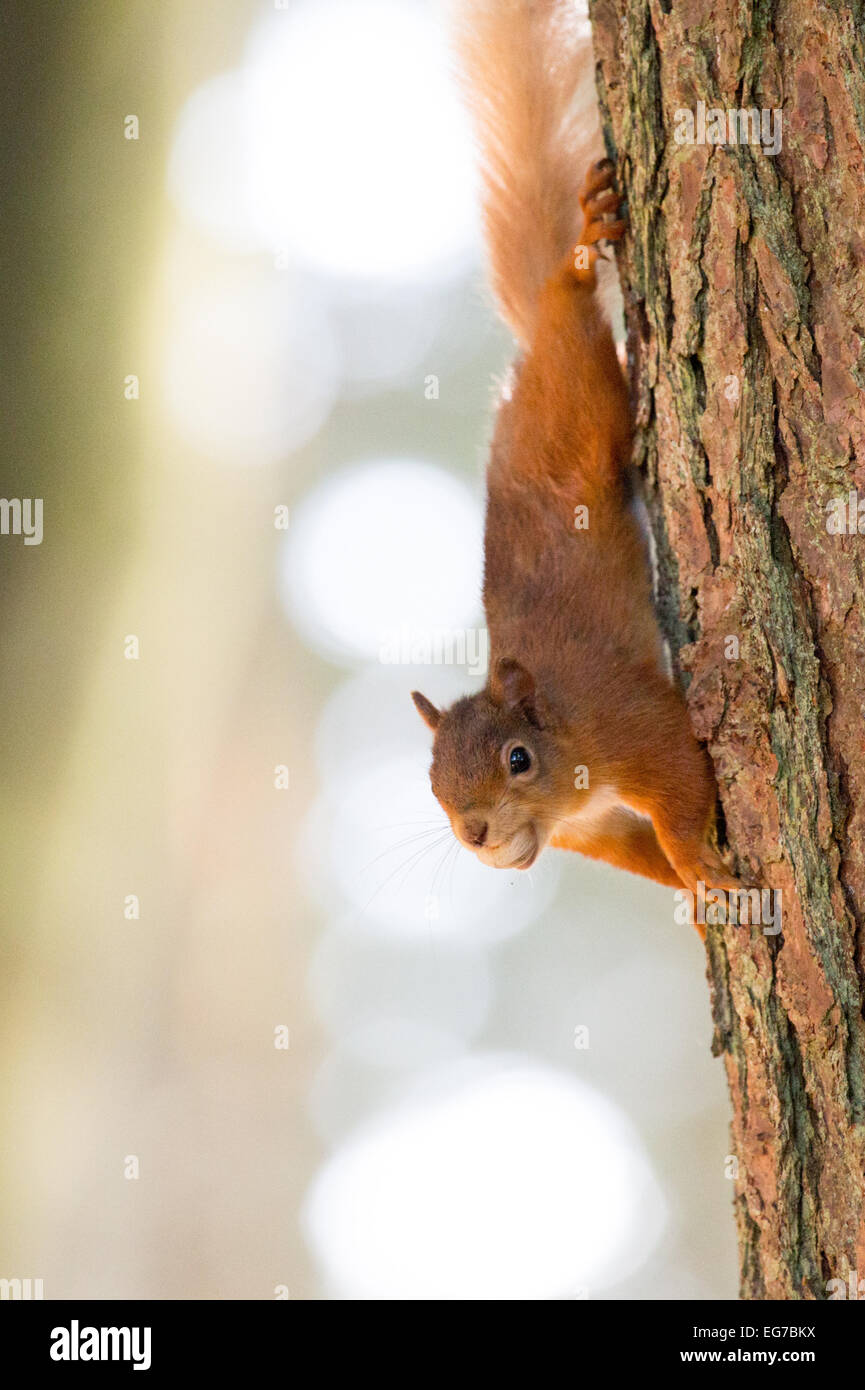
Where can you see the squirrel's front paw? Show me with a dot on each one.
(597, 198)
(697, 864)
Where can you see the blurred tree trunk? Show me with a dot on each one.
(744, 283)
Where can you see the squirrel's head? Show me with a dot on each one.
(497, 767)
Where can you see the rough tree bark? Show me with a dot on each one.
(744, 284)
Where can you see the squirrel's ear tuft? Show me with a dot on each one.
(512, 684)
(514, 687)
(427, 710)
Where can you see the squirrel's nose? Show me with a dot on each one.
(475, 831)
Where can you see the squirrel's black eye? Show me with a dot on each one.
(519, 761)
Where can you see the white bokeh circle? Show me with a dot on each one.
(378, 548)
(340, 141)
(497, 1178)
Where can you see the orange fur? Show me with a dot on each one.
(529, 83)
(577, 682)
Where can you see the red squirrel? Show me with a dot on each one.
(579, 739)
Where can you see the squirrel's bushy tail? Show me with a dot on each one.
(528, 72)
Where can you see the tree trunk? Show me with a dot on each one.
(744, 283)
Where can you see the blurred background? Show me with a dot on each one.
(268, 1032)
